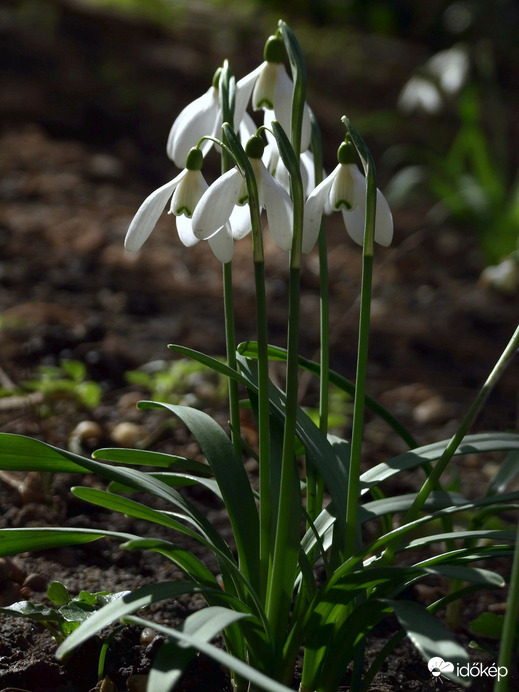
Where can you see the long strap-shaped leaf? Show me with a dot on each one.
(232, 480)
(249, 349)
(25, 447)
(320, 451)
(173, 656)
(472, 444)
(240, 667)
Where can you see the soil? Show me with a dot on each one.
(80, 148)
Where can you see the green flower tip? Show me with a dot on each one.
(216, 78)
(274, 50)
(255, 147)
(194, 160)
(346, 153)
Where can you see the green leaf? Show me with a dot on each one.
(20, 453)
(143, 457)
(506, 473)
(14, 541)
(488, 535)
(173, 657)
(472, 444)
(33, 611)
(488, 625)
(243, 669)
(319, 450)
(58, 594)
(231, 477)
(400, 503)
(430, 637)
(249, 349)
(127, 604)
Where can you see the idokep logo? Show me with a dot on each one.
(438, 667)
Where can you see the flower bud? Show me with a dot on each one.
(255, 147)
(194, 160)
(346, 153)
(274, 50)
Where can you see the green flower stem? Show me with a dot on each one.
(258, 257)
(509, 633)
(362, 362)
(230, 340)
(440, 466)
(265, 506)
(315, 484)
(278, 600)
(226, 89)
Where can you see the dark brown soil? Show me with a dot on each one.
(80, 148)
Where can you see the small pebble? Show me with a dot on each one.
(35, 582)
(87, 430)
(127, 434)
(147, 636)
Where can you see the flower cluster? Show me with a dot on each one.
(220, 213)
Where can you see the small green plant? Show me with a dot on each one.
(471, 180)
(68, 379)
(321, 550)
(66, 613)
(180, 382)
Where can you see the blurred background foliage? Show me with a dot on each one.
(116, 72)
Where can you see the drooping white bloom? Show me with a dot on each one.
(225, 199)
(270, 88)
(201, 118)
(442, 75)
(273, 161)
(344, 190)
(184, 191)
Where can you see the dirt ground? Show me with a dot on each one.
(75, 165)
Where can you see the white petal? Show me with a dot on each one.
(314, 210)
(148, 213)
(188, 193)
(185, 231)
(244, 88)
(247, 128)
(383, 217)
(307, 172)
(422, 94)
(283, 99)
(222, 244)
(279, 210)
(216, 204)
(200, 118)
(306, 129)
(283, 95)
(354, 222)
(264, 90)
(383, 221)
(343, 191)
(240, 222)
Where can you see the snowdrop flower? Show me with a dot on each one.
(275, 165)
(344, 190)
(184, 191)
(442, 75)
(271, 89)
(223, 202)
(201, 118)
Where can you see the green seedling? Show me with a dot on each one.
(68, 379)
(66, 613)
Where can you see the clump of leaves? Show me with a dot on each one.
(66, 613)
(69, 379)
(181, 382)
